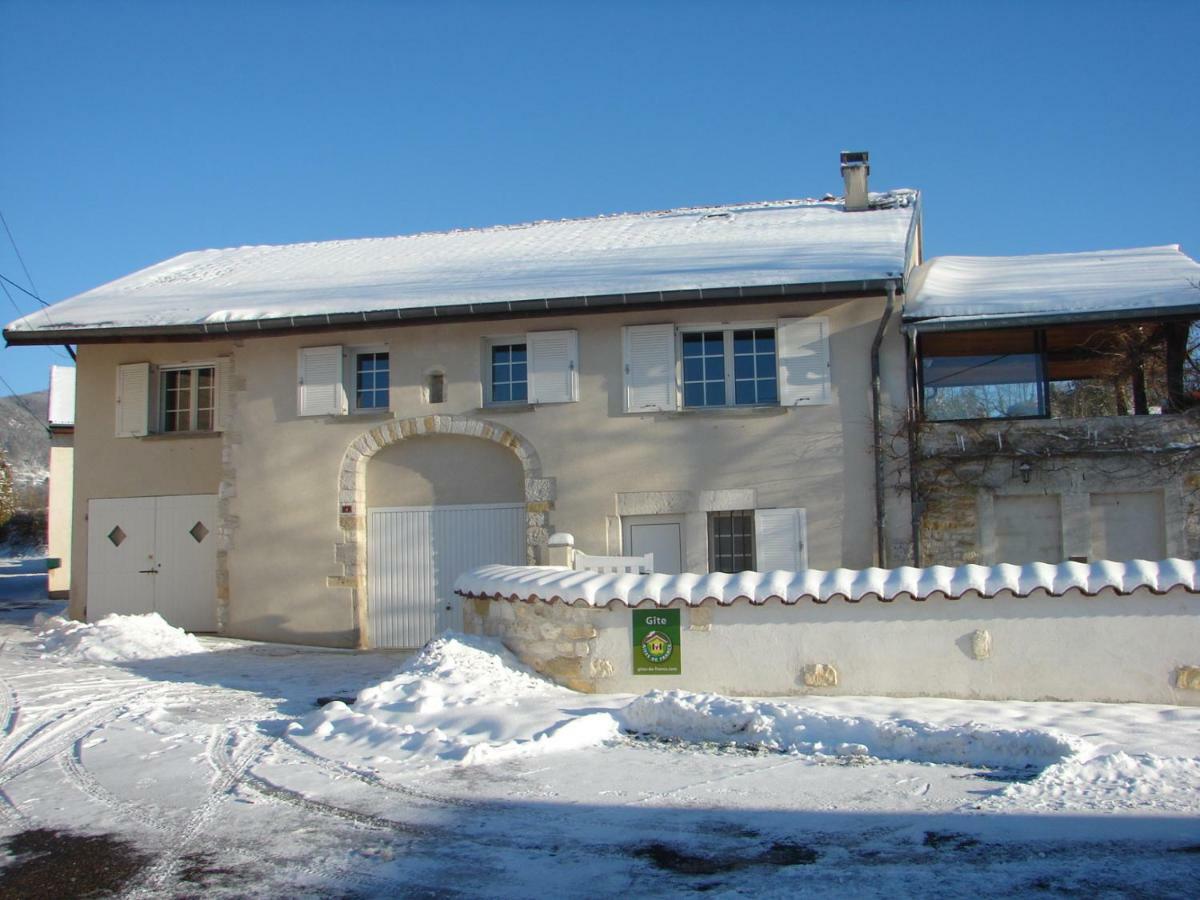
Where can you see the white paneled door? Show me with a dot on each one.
(415, 553)
(154, 554)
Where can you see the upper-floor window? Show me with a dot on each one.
(1071, 370)
(189, 398)
(782, 363)
(371, 380)
(509, 373)
(729, 367)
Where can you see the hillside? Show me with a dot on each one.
(27, 445)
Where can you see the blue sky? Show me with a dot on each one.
(135, 131)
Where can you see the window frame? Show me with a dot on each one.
(727, 330)
(160, 374)
(713, 517)
(489, 346)
(350, 377)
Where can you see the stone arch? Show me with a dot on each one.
(350, 550)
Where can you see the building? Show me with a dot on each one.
(307, 443)
(61, 422)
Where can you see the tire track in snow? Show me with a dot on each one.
(10, 707)
(72, 765)
(228, 775)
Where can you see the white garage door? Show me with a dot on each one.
(154, 554)
(415, 553)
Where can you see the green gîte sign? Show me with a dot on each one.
(656, 649)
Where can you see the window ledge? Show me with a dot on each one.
(180, 435)
(722, 412)
(507, 408)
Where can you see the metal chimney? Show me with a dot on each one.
(855, 170)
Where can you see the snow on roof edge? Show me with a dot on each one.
(552, 584)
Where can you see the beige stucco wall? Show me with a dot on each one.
(58, 513)
(280, 473)
(1140, 648)
(108, 466)
(444, 470)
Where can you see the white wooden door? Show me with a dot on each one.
(185, 589)
(414, 555)
(121, 559)
(154, 554)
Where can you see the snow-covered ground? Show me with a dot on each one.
(231, 768)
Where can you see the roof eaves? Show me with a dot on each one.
(330, 321)
(1015, 320)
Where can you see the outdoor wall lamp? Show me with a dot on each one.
(1026, 469)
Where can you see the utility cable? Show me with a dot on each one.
(20, 259)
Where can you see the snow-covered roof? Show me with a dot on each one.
(62, 396)
(1153, 280)
(555, 584)
(755, 245)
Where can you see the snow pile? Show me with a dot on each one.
(1112, 781)
(601, 588)
(789, 728)
(116, 638)
(463, 699)
(1150, 278)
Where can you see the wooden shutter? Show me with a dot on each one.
(804, 361)
(553, 365)
(224, 392)
(321, 392)
(649, 368)
(780, 540)
(133, 400)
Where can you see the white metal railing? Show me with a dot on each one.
(635, 565)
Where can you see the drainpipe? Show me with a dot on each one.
(877, 424)
(913, 455)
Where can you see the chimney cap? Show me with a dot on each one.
(856, 158)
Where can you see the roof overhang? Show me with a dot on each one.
(427, 314)
(988, 323)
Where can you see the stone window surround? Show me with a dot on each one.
(692, 506)
(350, 550)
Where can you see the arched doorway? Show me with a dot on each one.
(458, 491)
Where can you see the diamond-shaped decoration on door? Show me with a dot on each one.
(116, 536)
(198, 532)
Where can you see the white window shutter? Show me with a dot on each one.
(650, 368)
(133, 400)
(321, 392)
(553, 366)
(804, 361)
(780, 541)
(224, 392)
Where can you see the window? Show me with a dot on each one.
(189, 398)
(435, 387)
(509, 373)
(1068, 370)
(371, 380)
(729, 367)
(731, 541)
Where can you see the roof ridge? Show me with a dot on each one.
(886, 200)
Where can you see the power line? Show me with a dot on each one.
(20, 258)
(23, 290)
(22, 404)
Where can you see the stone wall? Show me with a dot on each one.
(963, 465)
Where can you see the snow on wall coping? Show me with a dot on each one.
(554, 584)
(62, 396)
(1150, 278)
(757, 244)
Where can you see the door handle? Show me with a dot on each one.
(147, 571)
